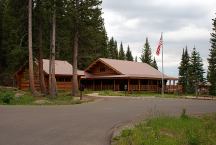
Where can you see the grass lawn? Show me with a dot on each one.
(13, 96)
(136, 94)
(171, 131)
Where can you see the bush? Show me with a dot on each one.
(6, 97)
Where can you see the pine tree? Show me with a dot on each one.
(111, 48)
(146, 56)
(76, 47)
(88, 26)
(104, 44)
(14, 41)
(212, 61)
(121, 52)
(2, 53)
(31, 69)
(196, 71)
(93, 40)
(183, 71)
(154, 64)
(52, 79)
(129, 55)
(39, 18)
(115, 50)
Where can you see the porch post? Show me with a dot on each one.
(139, 84)
(79, 79)
(114, 85)
(174, 84)
(101, 85)
(157, 86)
(94, 85)
(169, 86)
(128, 85)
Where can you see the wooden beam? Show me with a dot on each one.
(101, 85)
(139, 84)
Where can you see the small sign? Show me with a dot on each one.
(125, 87)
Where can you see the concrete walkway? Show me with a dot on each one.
(85, 124)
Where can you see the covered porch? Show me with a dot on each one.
(131, 84)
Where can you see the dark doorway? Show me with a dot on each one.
(122, 84)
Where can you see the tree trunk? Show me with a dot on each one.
(75, 53)
(52, 80)
(41, 73)
(31, 70)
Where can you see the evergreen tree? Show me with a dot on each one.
(31, 69)
(121, 52)
(14, 40)
(183, 71)
(92, 33)
(196, 71)
(111, 48)
(154, 64)
(52, 79)
(93, 40)
(39, 12)
(146, 56)
(104, 44)
(212, 61)
(116, 50)
(129, 55)
(2, 51)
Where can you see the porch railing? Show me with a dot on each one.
(152, 88)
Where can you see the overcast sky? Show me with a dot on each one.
(183, 22)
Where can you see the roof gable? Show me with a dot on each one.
(95, 68)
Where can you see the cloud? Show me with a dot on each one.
(183, 23)
(188, 33)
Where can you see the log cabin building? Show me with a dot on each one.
(118, 75)
(63, 74)
(103, 74)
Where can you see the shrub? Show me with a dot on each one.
(6, 97)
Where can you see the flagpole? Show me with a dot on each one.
(162, 68)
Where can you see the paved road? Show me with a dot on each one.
(85, 124)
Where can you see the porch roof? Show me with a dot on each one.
(90, 76)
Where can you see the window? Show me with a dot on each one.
(63, 79)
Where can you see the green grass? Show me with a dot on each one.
(171, 131)
(136, 94)
(13, 96)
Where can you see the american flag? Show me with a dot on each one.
(159, 45)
